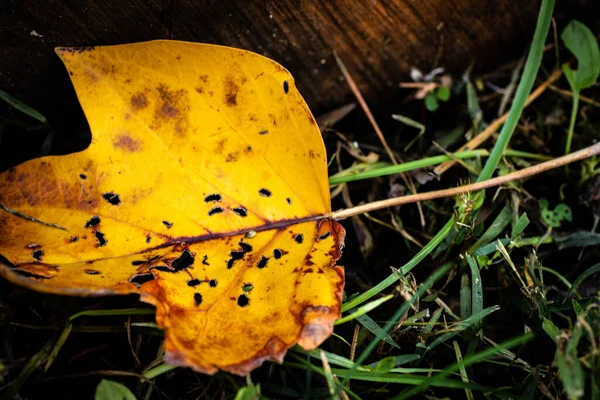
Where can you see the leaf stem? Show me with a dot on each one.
(574, 109)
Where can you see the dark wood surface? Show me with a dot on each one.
(378, 40)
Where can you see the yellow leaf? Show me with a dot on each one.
(204, 190)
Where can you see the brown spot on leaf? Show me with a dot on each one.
(231, 92)
(232, 157)
(139, 101)
(172, 110)
(168, 110)
(127, 143)
(220, 146)
(273, 120)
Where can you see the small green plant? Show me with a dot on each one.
(110, 390)
(554, 218)
(440, 93)
(580, 40)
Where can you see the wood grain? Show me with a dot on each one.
(378, 40)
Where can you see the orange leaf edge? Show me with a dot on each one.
(317, 324)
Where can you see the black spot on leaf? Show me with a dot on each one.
(194, 282)
(212, 197)
(246, 248)
(243, 300)
(277, 254)
(101, 239)
(286, 87)
(215, 210)
(141, 279)
(205, 260)
(263, 132)
(238, 255)
(167, 224)
(212, 283)
(37, 254)
(75, 239)
(83, 176)
(235, 255)
(148, 239)
(197, 299)
(263, 262)
(185, 260)
(324, 236)
(241, 211)
(94, 221)
(264, 192)
(289, 201)
(112, 198)
(299, 238)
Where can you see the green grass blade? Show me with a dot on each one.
(374, 328)
(158, 370)
(461, 326)
(494, 230)
(405, 379)
(106, 313)
(467, 361)
(465, 297)
(476, 291)
(29, 368)
(519, 226)
(390, 280)
(590, 271)
(368, 171)
(401, 310)
(24, 108)
(532, 65)
(462, 369)
(58, 345)
(362, 310)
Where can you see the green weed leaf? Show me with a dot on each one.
(431, 102)
(111, 390)
(385, 365)
(550, 329)
(580, 40)
(443, 93)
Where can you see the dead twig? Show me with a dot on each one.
(568, 93)
(436, 194)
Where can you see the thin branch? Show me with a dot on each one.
(568, 93)
(524, 173)
(365, 107)
(354, 88)
(494, 126)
